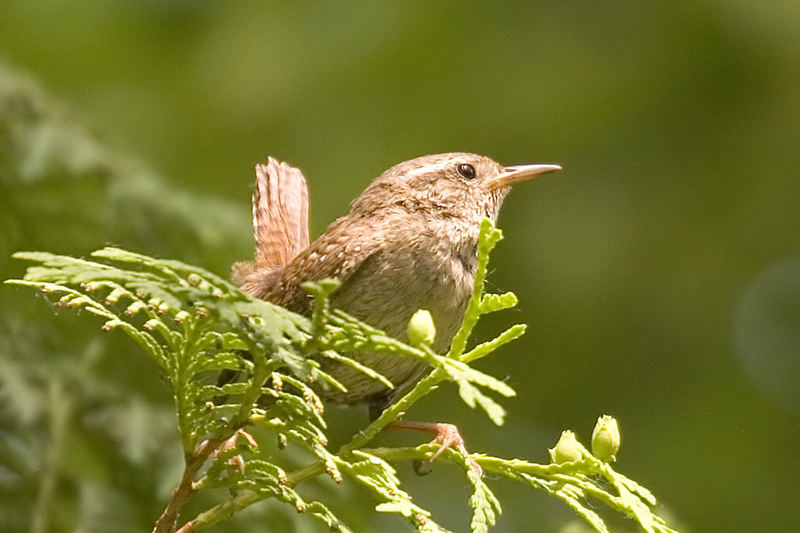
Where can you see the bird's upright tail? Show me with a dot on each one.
(280, 219)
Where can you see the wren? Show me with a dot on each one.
(409, 242)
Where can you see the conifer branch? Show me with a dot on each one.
(195, 325)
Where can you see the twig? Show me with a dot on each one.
(166, 523)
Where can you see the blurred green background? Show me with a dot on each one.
(659, 272)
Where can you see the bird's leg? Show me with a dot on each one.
(447, 436)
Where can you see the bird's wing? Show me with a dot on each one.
(280, 214)
(338, 253)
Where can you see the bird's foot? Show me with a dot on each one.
(447, 436)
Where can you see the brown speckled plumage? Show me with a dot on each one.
(408, 242)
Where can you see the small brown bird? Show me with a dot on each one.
(409, 242)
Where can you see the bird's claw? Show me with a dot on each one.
(447, 436)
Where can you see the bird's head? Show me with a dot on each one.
(451, 185)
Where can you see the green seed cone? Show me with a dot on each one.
(566, 449)
(421, 329)
(606, 438)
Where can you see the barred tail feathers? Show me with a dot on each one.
(280, 214)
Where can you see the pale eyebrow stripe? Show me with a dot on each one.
(428, 168)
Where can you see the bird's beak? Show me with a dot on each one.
(512, 175)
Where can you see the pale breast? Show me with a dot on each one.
(423, 273)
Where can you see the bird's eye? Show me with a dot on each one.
(466, 171)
